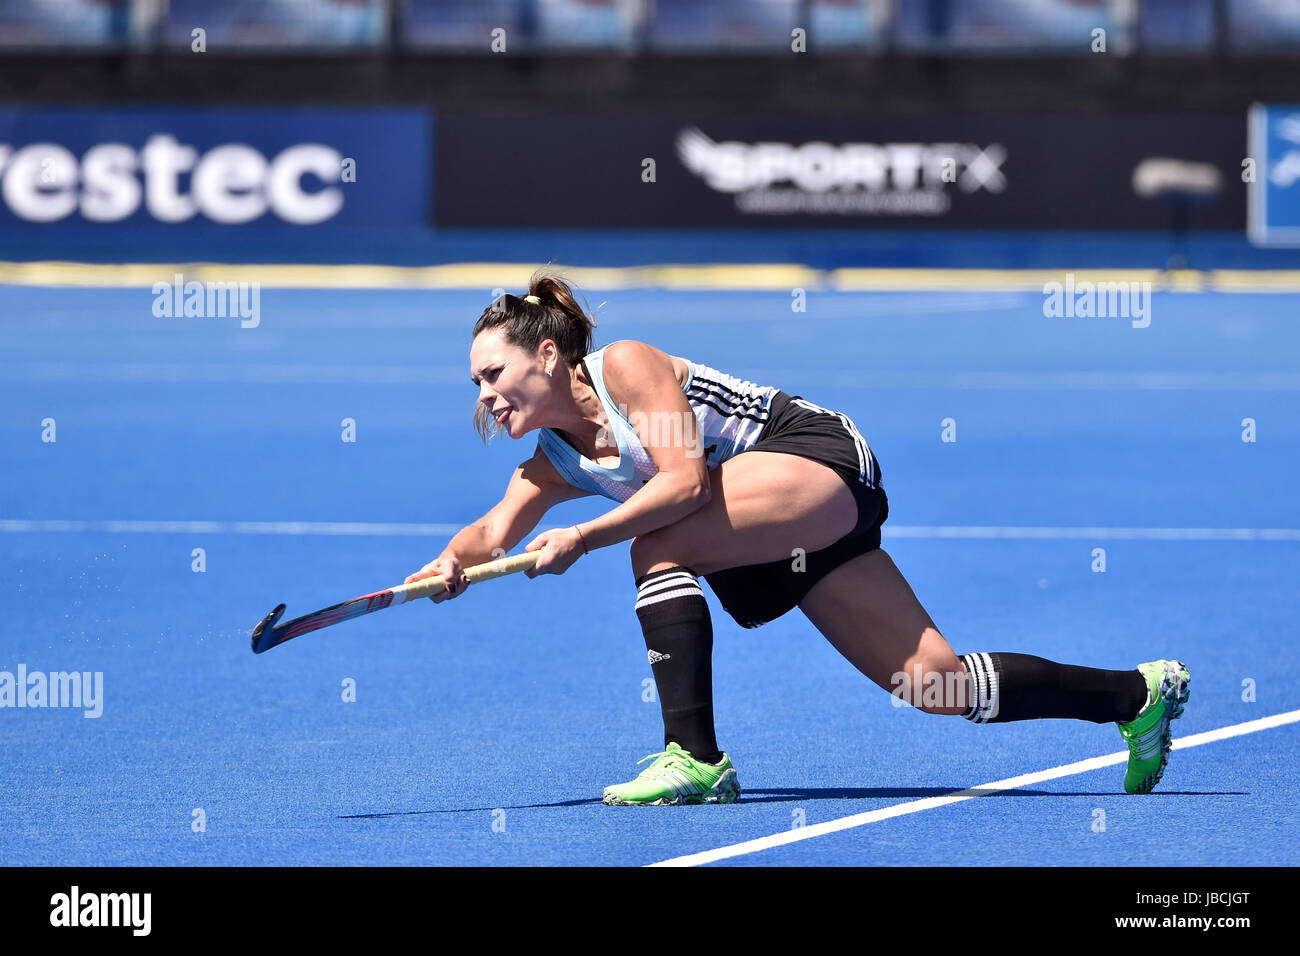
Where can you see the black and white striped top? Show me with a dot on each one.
(729, 411)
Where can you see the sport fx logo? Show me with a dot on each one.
(819, 166)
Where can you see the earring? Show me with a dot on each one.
(549, 371)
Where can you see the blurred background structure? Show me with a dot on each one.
(538, 113)
(942, 26)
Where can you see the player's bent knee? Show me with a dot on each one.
(642, 548)
(933, 684)
(655, 547)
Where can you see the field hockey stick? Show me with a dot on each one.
(266, 635)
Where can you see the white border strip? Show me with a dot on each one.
(1257, 148)
(403, 529)
(1258, 230)
(983, 790)
(974, 532)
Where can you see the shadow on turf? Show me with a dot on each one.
(421, 813)
(825, 793)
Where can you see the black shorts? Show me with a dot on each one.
(754, 594)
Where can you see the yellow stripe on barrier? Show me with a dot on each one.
(1014, 280)
(1246, 280)
(705, 277)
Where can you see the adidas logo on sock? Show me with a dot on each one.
(655, 657)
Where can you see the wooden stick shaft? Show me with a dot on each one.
(480, 572)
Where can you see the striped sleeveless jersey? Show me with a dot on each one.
(730, 413)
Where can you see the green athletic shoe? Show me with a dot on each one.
(676, 778)
(1147, 735)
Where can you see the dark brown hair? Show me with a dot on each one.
(526, 325)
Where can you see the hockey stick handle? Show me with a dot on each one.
(480, 572)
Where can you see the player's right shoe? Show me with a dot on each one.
(676, 778)
(1147, 735)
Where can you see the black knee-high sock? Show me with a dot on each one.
(1005, 687)
(679, 642)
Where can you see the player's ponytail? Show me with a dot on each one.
(548, 310)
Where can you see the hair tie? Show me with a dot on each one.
(533, 299)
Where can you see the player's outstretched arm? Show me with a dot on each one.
(534, 488)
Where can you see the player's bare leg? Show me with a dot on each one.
(869, 612)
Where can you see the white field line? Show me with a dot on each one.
(1090, 534)
(235, 527)
(405, 529)
(984, 789)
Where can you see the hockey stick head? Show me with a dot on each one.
(262, 633)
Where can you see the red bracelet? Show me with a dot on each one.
(581, 538)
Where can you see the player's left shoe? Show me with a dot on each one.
(676, 778)
(1147, 735)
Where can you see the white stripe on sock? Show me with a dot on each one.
(667, 581)
(669, 595)
(991, 705)
(975, 665)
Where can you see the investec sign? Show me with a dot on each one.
(166, 167)
(776, 178)
(230, 183)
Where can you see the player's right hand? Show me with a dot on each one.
(449, 567)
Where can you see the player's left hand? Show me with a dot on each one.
(560, 547)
